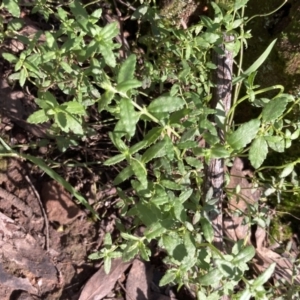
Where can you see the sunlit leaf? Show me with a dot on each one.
(274, 109)
(244, 134)
(166, 104)
(127, 69)
(258, 152)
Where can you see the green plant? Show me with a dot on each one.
(77, 67)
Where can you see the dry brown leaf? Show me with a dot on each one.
(138, 281)
(100, 284)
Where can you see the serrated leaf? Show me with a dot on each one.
(110, 31)
(127, 85)
(264, 277)
(123, 175)
(107, 264)
(213, 276)
(258, 152)
(166, 104)
(144, 252)
(147, 216)
(154, 151)
(118, 143)
(154, 231)
(194, 162)
(226, 267)
(171, 185)
(38, 117)
(107, 54)
(127, 69)
(138, 146)
(105, 100)
(245, 255)
(128, 117)
(277, 143)
(168, 278)
(61, 120)
(152, 135)
(287, 171)
(179, 211)
(129, 237)
(274, 109)
(74, 107)
(244, 134)
(207, 229)
(185, 195)
(74, 124)
(130, 254)
(114, 160)
(139, 171)
(13, 7)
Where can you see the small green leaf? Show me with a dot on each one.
(287, 171)
(264, 277)
(9, 57)
(107, 264)
(194, 162)
(144, 251)
(23, 76)
(147, 216)
(168, 278)
(277, 143)
(139, 171)
(110, 31)
(207, 229)
(108, 54)
(166, 104)
(114, 160)
(152, 135)
(118, 143)
(244, 255)
(274, 109)
(38, 117)
(185, 195)
(171, 185)
(258, 152)
(127, 69)
(74, 107)
(61, 120)
(138, 146)
(123, 175)
(154, 231)
(127, 85)
(157, 150)
(244, 134)
(13, 7)
(213, 276)
(128, 118)
(105, 100)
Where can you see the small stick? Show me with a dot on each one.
(42, 209)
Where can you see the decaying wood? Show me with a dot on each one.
(221, 101)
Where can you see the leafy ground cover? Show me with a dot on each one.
(125, 154)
